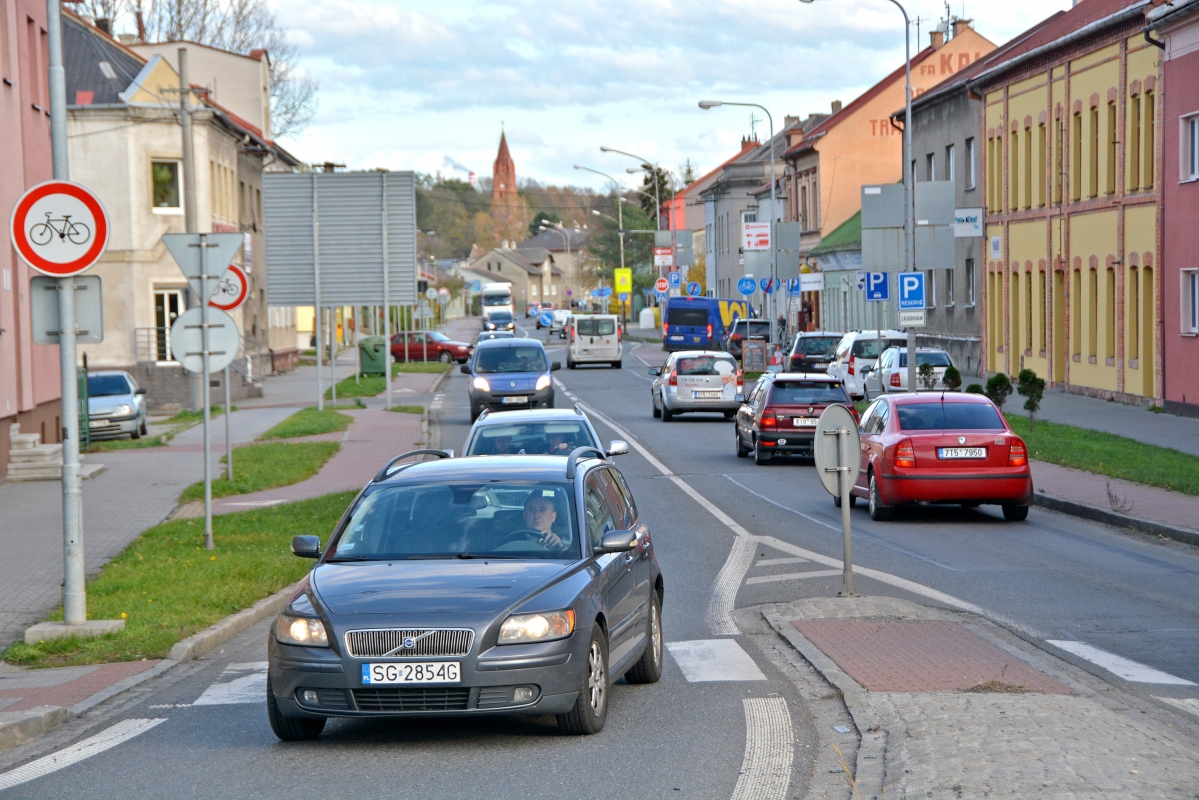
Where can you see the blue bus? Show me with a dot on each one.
(699, 323)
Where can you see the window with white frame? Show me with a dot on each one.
(970, 278)
(165, 185)
(951, 171)
(1190, 151)
(930, 288)
(970, 164)
(949, 288)
(1190, 301)
(931, 158)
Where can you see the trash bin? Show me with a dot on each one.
(373, 355)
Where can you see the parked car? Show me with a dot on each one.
(526, 585)
(780, 415)
(812, 351)
(543, 431)
(890, 373)
(856, 352)
(942, 448)
(741, 330)
(594, 339)
(509, 373)
(695, 380)
(499, 321)
(428, 346)
(116, 405)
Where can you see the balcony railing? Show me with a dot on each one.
(153, 346)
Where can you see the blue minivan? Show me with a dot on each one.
(509, 374)
(698, 323)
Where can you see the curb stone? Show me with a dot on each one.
(1097, 514)
(208, 639)
(31, 724)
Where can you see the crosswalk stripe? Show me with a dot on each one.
(795, 576)
(123, 731)
(706, 660)
(238, 683)
(1122, 667)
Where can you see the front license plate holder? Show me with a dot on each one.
(514, 401)
(411, 672)
(954, 453)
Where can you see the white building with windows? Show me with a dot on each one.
(126, 144)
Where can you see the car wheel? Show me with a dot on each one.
(615, 365)
(591, 708)
(570, 364)
(667, 414)
(290, 729)
(445, 357)
(648, 668)
(742, 450)
(1015, 513)
(136, 433)
(144, 430)
(657, 411)
(878, 511)
(549, 403)
(761, 456)
(730, 414)
(853, 501)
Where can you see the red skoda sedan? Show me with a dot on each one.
(932, 447)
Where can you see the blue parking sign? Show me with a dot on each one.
(911, 290)
(675, 278)
(878, 286)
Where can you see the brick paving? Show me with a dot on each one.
(920, 656)
(22, 691)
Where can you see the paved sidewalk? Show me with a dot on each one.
(1130, 499)
(947, 705)
(1134, 422)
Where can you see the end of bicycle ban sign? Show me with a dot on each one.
(59, 228)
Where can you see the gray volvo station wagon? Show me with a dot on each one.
(472, 586)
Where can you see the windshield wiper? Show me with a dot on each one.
(476, 555)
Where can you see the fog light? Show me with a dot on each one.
(310, 697)
(523, 694)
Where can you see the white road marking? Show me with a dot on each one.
(728, 582)
(1189, 704)
(794, 576)
(770, 562)
(1125, 668)
(769, 743)
(236, 686)
(255, 503)
(705, 660)
(123, 731)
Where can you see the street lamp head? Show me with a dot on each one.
(706, 104)
(605, 149)
(634, 170)
(596, 213)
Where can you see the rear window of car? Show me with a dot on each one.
(597, 327)
(870, 348)
(688, 317)
(552, 438)
(747, 327)
(107, 385)
(807, 393)
(705, 365)
(510, 359)
(948, 417)
(936, 359)
(815, 345)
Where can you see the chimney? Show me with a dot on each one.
(836, 106)
(104, 24)
(961, 26)
(748, 142)
(141, 26)
(936, 38)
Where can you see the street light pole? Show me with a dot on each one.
(774, 277)
(619, 208)
(657, 199)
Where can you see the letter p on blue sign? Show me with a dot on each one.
(911, 290)
(878, 286)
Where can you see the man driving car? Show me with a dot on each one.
(540, 514)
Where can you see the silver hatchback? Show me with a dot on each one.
(696, 380)
(116, 405)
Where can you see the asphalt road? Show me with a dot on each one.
(1053, 577)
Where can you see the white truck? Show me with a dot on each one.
(495, 297)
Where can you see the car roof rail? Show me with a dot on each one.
(388, 470)
(579, 411)
(484, 413)
(578, 453)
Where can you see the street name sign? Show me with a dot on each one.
(60, 228)
(89, 309)
(911, 291)
(231, 290)
(187, 341)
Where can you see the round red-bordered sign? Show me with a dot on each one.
(59, 228)
(231, 290)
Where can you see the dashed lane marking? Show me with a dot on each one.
(1125, 668)
(705, 660)
(769, 750)
(795, 576)
(238, 683)
(123, 731)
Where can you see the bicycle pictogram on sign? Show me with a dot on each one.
(59, 228)
(75, 232)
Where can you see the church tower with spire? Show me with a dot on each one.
(503, 175)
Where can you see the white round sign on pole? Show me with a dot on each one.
(187, 339)
(431, 293)
(230, 290)
(826, 452)
(59, 228)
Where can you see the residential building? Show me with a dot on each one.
(29, 374)
(534, 276)
(1177, 25)
(125, 142)
(1071, 167)
(571, 260)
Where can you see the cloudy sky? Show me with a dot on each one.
(412, 84)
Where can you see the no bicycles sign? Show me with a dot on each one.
(59, 228)
(231, 290)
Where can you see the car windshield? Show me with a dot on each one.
(807, 393)
(496, 299)
(590, 326)
(554, 438)
(815, 345)
(936, 359)
(949, 416)
(501, 316)
(518, 520)
(510, 359)
(753, 328)
(704, 365)
(870, 348)
(688, 316)
(107, 385)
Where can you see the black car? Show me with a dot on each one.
(499, 321)
(472, 586)
(741, 330)
(812, 351)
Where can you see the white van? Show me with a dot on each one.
(593, 339)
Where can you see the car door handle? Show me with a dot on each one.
(628, 559)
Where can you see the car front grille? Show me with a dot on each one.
(456, 698)
(424, 642)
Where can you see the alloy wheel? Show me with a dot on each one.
(597, 683)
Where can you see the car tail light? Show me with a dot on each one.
(854, 411)
(769, 420)
(572, 335)
(665, 328)
(895, 379)
(905, 455)
(851, 365)
(674, 378)
(709, 331)
(736, 337)
(619, 334)
(1017, 456)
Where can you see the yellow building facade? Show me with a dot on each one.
(1071, 166)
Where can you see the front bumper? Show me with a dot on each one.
(916, 486)
(112, 426)
(553, 670)
(495, 399)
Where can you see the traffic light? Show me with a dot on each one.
(422, 287)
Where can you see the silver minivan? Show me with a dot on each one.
(593, 339)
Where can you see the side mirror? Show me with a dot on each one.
(555, 366)
(618, 542)
(306, 546)
(464, 369)
(141, 390)
(740, 398)
(655, 370)
(617, 447)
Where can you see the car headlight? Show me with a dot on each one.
(537, 627)
(481, 384)
(490, 326)
(543, 382)
(122, 410)
(304, 631)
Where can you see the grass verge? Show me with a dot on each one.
(105, 445)
(372, 385)
(408, 409)
(267, 466)
(187, 416)
(1108, 454)
(166, 586)
(308, 422)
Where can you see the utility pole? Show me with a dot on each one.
(199, 392)
(909, 181)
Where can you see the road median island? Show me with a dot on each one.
(307, 422)
(267, 465)
(373, 385)
(167, 587)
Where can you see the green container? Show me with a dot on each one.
(372, 354)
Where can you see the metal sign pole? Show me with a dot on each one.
(333, 354)
(846, 541)
(387, 303)
(228, 440)
(316, 307)
(208, 543)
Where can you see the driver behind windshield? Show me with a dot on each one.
(540, 515)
